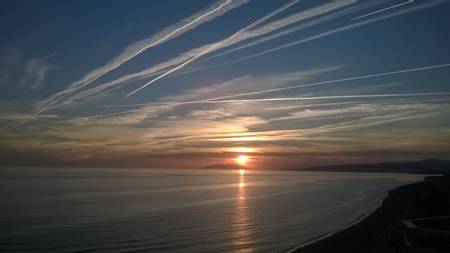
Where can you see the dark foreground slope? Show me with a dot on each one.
(358, 237)
(384, 231)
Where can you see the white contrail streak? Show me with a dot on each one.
(162, 67)
(321, 35)
(280, 99)
(152, 106)
(216, 45)
(132, 51)
(297, 28)
(326, 97)
(12, 126)
(165, 66)
(329, 82)
(385, 9)
(243, 35)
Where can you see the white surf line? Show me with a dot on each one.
(138, 47)
(382, 10)
(321, 35)
(214, 46)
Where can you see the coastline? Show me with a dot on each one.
(360, 236)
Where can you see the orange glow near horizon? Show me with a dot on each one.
(242, 171)
(242, 160)
(242, 150)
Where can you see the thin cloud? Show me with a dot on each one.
(35, 72)
(187, 57)
(324, 34)
(215, 46)
(384, 9)
(329, 82)
(278, 99)
(246, 83)
(220, 99)
(299, 27)
(357, 110)
(339, 29)
(259, 100)
(214, 11)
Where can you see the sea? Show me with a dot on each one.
(180, 210)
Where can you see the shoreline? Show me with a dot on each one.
(319, 238)
(359, 236)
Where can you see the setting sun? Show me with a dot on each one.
(242, 159)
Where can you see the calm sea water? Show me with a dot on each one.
(138, 210)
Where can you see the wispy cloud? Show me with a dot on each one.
(278, 99)
(16, 70)
(359, 110)
(35, 72)
(195, 96)
(214, 46)
(228, 89)
(319, 11)
(328, 33)
(384, 9)
(301, 108)
(214, 11)
(220, 99)
(327, 97)
(165, 68)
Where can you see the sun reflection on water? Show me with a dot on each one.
(241, 223)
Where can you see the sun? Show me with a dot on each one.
(242, 160)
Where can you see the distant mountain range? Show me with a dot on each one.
(428, 166)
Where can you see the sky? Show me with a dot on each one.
(187, 84)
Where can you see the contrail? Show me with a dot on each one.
(130, 52)
(297, 28)
(152, 106)
(264, 29)
(318, 36)
(275, 25)
(326, 97)
(12, 125)
(306, 105)
(278, 99)
(385, 9)
(162, 67)
(215, 45)
(329, 82)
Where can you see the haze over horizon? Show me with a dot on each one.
(187, 84)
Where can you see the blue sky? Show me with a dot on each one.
(193, 83)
